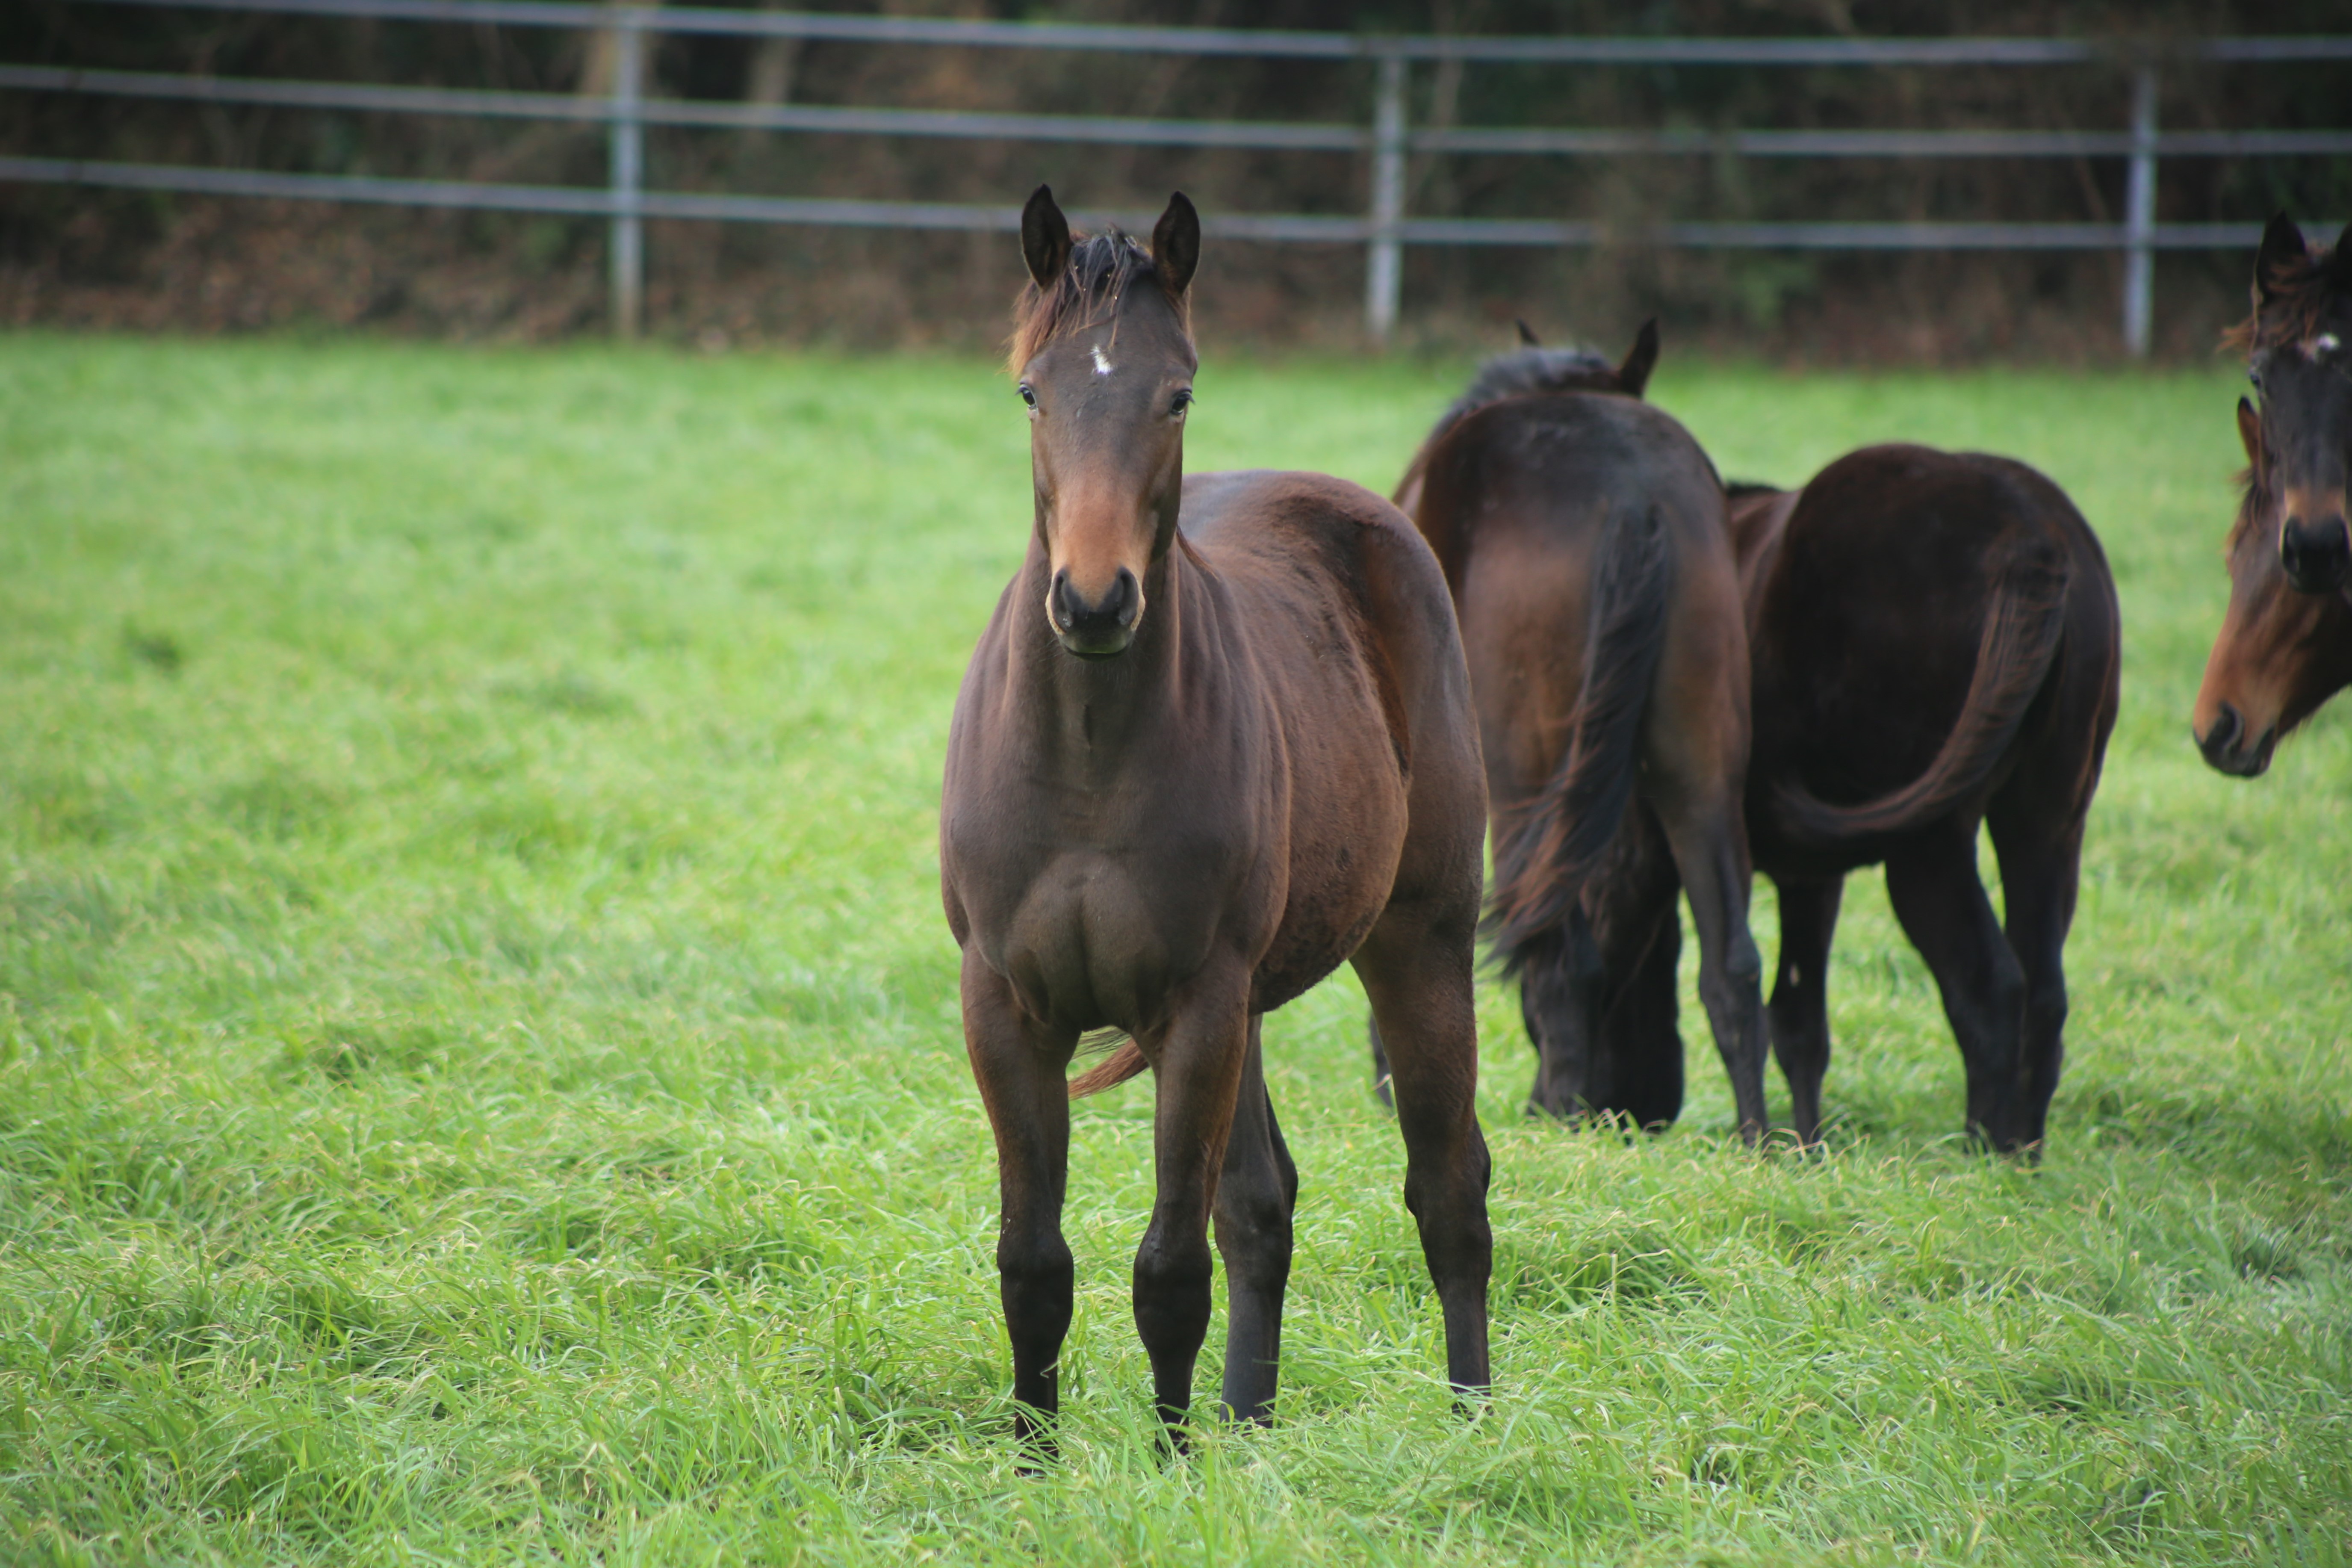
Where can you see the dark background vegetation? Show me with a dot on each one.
(88, 258)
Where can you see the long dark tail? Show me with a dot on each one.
(1546, 848)
(2021, 637)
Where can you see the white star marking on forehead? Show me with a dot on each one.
(1102, 365)
(2324, 343)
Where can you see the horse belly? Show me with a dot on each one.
(1346, 842)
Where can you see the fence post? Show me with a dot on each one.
(1384, 268)
(2139, 217)
(628, 170)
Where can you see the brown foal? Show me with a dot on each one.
(1215, 741)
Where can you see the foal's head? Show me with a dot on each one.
(2279, 653)
(2298, 346)
(1104, 355)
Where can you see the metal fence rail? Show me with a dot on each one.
(1385, 229)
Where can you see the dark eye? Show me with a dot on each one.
(1028, 395)
(2254, 377)
(1181, 402)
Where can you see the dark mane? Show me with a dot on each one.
(2254, 505)
(1519, 373)
(1523, 371)
(1101, 268)
(2297, 296)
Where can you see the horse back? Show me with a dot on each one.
(1333, 579)
(1516, 500)
(1351, 629)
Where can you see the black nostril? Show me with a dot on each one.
(2222, 737)
(1073, 616)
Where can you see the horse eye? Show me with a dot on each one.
(1028, 395)
(1181, 402)
(2255, 377)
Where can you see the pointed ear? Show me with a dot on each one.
(2283, 247)
(2249, 432)
(1044, 238)
(1526, 334)
(1176, 245)
(1635, 373)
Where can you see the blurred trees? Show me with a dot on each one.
(82, 255)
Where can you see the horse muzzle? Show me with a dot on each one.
(2225, 748)
(2315, 547)
(1098, 628)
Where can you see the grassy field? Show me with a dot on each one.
(480, 1079)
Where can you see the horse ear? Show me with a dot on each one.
(1526, 334)
(2249, 432)
(1176, 245)
(1635, 373)
(2282, 246)
(1044, 238)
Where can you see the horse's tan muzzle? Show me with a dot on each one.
(2314, 545)
(1097, 626)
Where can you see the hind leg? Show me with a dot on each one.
(1800, 1011)
(2041, 865)
(1021, 1083)
(1256, 1196)
(1560, 1002)
(1932, 882)
(1637, 1059)
(1416, 968)
(1710, 848)
(1197, 1081)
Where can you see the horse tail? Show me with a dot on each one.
(1124, 1060)
(2019, 640)
(1546, 848)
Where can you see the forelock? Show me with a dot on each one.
(2301, 293)
(1102, 267)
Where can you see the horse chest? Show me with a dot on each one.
(1098, 920)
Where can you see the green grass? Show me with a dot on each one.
(482, 1078)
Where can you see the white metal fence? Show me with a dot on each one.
(1384, 230)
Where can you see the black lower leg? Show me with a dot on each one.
(1942, 908)
(1034, 1283)
(1256, 1198)
(1171, 1314)
(1797, 1014)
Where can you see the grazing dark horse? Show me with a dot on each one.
(2285, 643)
(1583, 536)
(1936, 645)
(1215, 741)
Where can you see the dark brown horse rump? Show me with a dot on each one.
(1584, 537)
(1936, 645)
(1214, 742)
(2285, 643)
